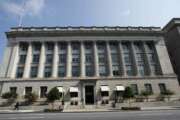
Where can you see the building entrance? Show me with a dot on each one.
(89, 94)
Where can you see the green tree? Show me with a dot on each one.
(53, 95)
(31, 97)
(128, 94)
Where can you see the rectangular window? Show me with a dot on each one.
(62, 58)
(28, 90)
(102, 70)
(75, 58)
(75, 71)
(50, 46)
(35, 58)
(134, 89)
(34, 71)
(37, 47)
(43, 91)
(47, 71)
(13, 89)
(104, 94)
(89, 70)
(61, 71)
(162, 88)
(116, 71)
(89, 58)
(73, 94)
(148, 88)
(20, 71)
(141, 70)
(49, 58)
(23, 47)
(22, 59)
(129, 70)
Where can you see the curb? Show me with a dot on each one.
(119, 110)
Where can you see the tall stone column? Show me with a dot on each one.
(109, 60)
(69, 60)
(55, 60)
(82, 61)
(42, 61)
(122, 61)
(14, 61)
(28, 62)
(146, 60)
(133, 55)
(96, 65)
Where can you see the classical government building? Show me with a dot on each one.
(88, 65)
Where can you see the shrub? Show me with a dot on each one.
(31, 97)
(146, 94)
(130, 108)
(9, 95)
(128, 94)
(53, 95)
(168, 94)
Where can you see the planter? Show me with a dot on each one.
(130, 108)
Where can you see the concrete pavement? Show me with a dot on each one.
(134, 115)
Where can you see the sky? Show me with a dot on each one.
(84, 13)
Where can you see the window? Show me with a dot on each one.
(50, 46)
(102, 70)
(73, 94)
(75, 71)
(134, 89)
(28, 90)
(49, 58)
(141, 70)
(126, 47)
(22, 59)
(62, 46)
(23, 47)
(20, 71)
(43, 91)
(102, 58)
(37, 47)
(104, 94)
(116, 70)
(75, 58)
(62, 58)
(89, 58)
(47, 71)
(89, 71)
(162, 88)
(36, 58)
(129, 70)
(61, 71)
(148, 88)
(115, 59)
(13, 89)
(34, 71)
(127, 59)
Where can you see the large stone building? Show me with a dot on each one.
(172, 40)
(89, 65)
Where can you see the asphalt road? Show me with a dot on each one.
(133, 115)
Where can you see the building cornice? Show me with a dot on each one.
(82, 31)
(173, 23)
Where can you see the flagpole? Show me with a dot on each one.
(21, 15)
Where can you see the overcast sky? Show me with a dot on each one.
(85, 13)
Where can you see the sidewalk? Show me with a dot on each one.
(91, 110)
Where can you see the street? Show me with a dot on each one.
(131, 115)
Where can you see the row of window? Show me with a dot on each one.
(117, 69)
(134, 87)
